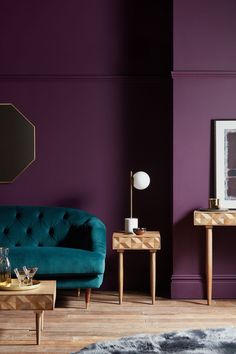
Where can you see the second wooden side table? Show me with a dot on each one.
(211, 219)
(149, 241)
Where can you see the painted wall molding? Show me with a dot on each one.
(178, 74)
(201, 277)
(74, 77)
(190, 286)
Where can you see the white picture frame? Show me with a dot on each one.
(225, 163)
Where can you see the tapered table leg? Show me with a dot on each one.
(121, 275)
(153, 275)
(39, 325)
(42, 321)
(209, 261)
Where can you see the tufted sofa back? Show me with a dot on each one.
(41, 226)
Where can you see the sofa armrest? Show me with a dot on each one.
(97, 234)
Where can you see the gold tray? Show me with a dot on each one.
(14, 286)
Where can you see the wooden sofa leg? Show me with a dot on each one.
(87, 297)
(78, 292)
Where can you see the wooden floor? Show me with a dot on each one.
(70, 326)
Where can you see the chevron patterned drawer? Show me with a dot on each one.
(218, 218)
(151, 240)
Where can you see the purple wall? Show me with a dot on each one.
(93, 76)
(204, 89)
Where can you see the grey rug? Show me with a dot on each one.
(217, 341)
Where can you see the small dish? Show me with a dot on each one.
(139, 230)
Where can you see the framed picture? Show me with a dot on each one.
(225, 163)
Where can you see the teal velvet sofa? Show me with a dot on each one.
(68, 245)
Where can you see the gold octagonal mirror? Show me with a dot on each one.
(17, 142)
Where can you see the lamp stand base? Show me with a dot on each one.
(130, 224)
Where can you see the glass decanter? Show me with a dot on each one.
(5, 267)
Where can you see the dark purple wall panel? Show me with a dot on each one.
(86, 139)
(61, 37)
(204, 35)
(204, 90)
(94, 78)
(85, 37)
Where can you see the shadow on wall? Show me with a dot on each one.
(189, 261)
(146, 90)
(148, 131)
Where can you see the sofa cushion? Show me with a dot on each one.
(57, 260)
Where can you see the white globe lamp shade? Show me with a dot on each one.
(141, 180)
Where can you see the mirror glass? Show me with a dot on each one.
(17, 143)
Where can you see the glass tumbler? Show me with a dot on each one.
(22, 277)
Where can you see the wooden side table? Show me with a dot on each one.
(149, 241)
(210, 219)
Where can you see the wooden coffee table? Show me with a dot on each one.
(37, 300)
